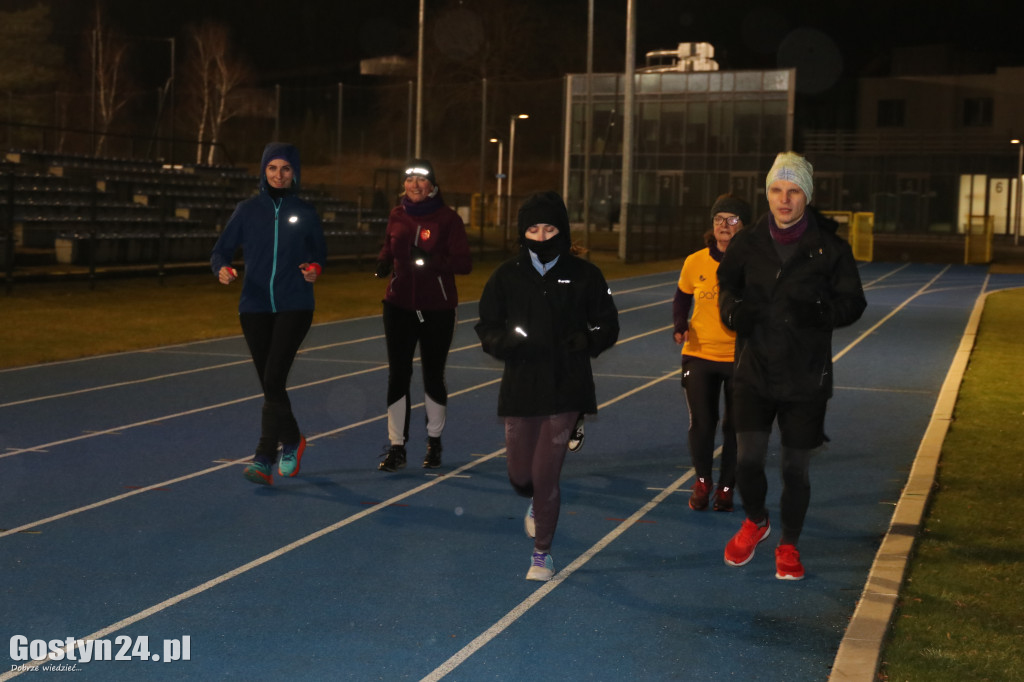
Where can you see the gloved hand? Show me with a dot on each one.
(515, 339)
(815, 313)
(577, 341)
(420, 257)
(383, 269)
(744, 316)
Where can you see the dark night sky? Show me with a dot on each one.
(322, 41)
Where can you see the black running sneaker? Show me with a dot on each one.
(393, 458)
(433, 458)
(576, 439)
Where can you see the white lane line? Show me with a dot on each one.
(326, 433)
(870, 330)
(166, 417)
(234, 573)
(259, 561)
(178, 347)
(379, 367)
(481, 640)
(544, 590)
(495, 629)
(885, 276)
(175, 348)
(118, 498)
(225, 464)
(133, 382)
(501, 625)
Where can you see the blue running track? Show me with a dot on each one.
(124, 517)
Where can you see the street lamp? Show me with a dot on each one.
(1020, 189)
(166, 94)
(419, 79)
(170, 87)
(511, 154)
(499, 176)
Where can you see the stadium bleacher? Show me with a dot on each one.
(83, 210)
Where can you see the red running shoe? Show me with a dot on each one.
(740, 549)
(787, 563)
(723, 499)
(699, 496)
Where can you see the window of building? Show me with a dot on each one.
(891, 113)
(978, 111)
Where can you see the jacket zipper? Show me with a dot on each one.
(273, 267)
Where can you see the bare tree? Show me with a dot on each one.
(108, 52)
(199, 76)
(215, 74)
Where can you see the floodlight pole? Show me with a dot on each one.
(419, 82)
(588, 125)
(1020, 189)
(627, 130)
(511, 152)
(499, 176)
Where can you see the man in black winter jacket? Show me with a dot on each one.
(786, 283)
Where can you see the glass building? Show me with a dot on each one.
(697, 135)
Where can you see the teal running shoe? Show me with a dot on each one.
(259, 472)
(291, 458)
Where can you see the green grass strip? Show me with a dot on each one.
(961, 609)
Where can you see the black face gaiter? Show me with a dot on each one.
(546, 251)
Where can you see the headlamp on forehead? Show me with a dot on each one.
(417, 170)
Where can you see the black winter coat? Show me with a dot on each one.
(568, 316)
(784, 313)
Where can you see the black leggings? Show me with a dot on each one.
(753, 484)
(703, 382)
(433, 331)
(273, 340)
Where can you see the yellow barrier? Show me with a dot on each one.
(862, 236)
(978, 239)
(483, 210)
(858, 229)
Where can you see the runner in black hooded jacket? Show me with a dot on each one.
(545, 314)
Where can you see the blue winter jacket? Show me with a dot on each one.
(276, 235)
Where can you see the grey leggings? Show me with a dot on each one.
(753, 484)
(535, 450)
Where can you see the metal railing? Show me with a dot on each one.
(903, 142)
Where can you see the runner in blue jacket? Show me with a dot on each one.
(284, 252)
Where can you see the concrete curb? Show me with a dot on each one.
(860, 651)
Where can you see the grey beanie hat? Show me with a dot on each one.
(795, 168)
